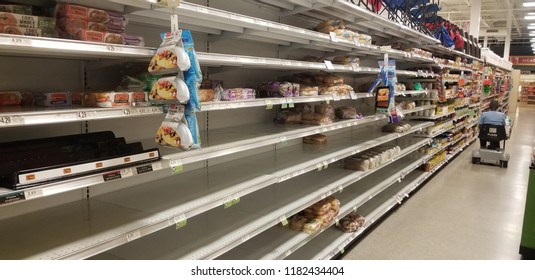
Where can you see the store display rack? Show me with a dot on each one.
(254, 176)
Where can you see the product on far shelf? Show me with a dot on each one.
(65, 10)
(346, 112)
(53, 99)
(351, 223)
(238, 93)
(400, 127)
(317, 216)
(10, 19)
(106, 99)
(289, 117)
(317, 139)
(10, 98)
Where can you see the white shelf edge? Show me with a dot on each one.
(63, 115)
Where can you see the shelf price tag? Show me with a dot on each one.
(176, 166)
(357, 42)
(341, 248)
(355, 67)
(21, 41)
(353, 95)
(284, 221)
(269, 104)
(231, 200)
(31, 194)
(336, 222)
(290, 103)
(283, 140)
(333, 36)
(340, 189)
(329, 65)
(284, 105)
(133, 235)
(336, 97)
(180, 221)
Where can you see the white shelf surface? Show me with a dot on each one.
(159, 201)
(41, 46)
(256, 213)
(11, 116)
(279, 242)
(261, 102)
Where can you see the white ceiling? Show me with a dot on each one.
(493, 16)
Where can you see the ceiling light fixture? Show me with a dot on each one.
(529, 4)
(529, 17)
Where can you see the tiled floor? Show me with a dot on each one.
(465, 212)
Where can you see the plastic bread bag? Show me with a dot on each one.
(346, 112)
(193, 76)
(170, 88)
(174, 131)
(171, 57)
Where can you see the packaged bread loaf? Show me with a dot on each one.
(346, 112)
(170, 56)
(309, 91)
(65, 10)
(106, 99)
(170, 88)
(289, 117)
(312, 226)
(318, 139)
(53, 99)
(358, 164)
(10, 98)
(26, 31)
(315, 119)
(139, 98)
(303, 108)
(93, 36)
(238, 93)
(325, 109)
(72, 25)
(205, 95)
(11, 19)
(297, 222)
(330, 25)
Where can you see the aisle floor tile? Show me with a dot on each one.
(465, 212)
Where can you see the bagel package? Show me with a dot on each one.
(174, 130)
(170, 56)
(170, 88)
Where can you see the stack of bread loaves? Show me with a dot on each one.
(319, 215)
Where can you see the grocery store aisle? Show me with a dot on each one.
(465, 212)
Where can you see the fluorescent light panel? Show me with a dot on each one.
(529, 17)
(529, 4)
